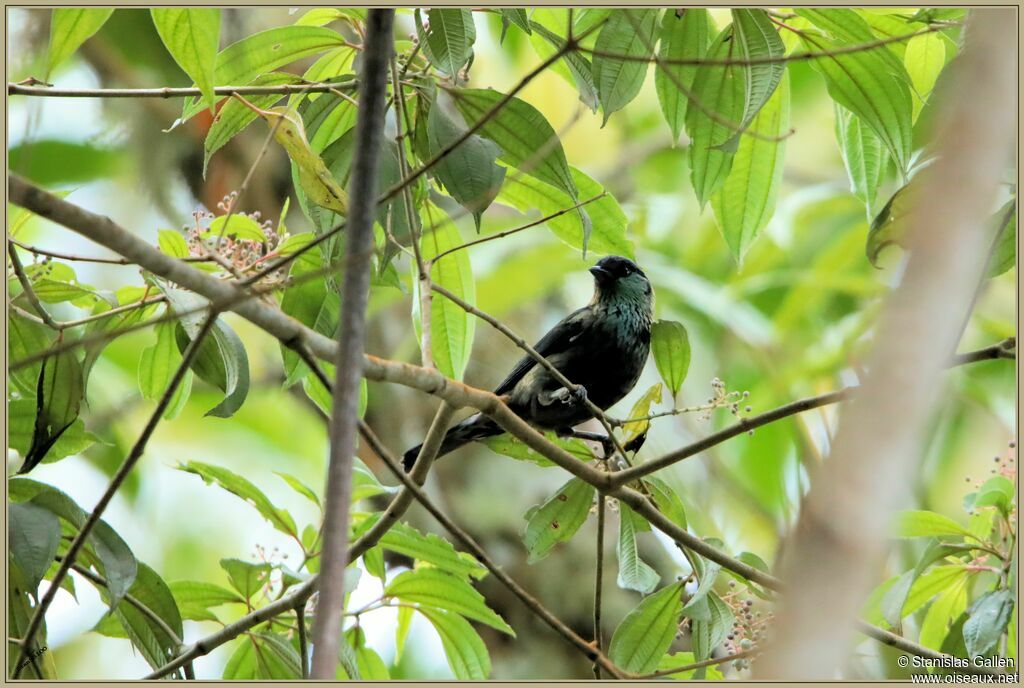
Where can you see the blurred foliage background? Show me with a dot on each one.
(791, 321)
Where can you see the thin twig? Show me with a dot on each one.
(700, 665)
(369, 133)
(283, 89)
(403, 125)
(520, 228)
(115, 483)
(27, 289)
(755, 61)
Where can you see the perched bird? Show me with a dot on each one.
(602, 346)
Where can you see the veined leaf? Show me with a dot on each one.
(34, 537)
(468, 172)
(634, 572)
(233, 117)
(327, 68)
(947, 607)
(192, 37)
(871, 84)
(527, 140)
(312, 303)
(156, 368)
(195, 598)
(670, 346)
(644, 636)
(431, 549)
(558, 519)
(440, 590)
(863, 156)
(720, 90)
(924, 58)
(451, 327)
(70, 28)
(577, 68)
(247, 578)
(466, 652)
(758, 40)
(603, 218)
(627, 32)
(242, 488)
(448, 41)
(685, 35)
(710, 633)
(221, 361)
(59, 393)
(746, 201)
(515, 448)
(911, 524)
(263, 52)
(632, 433)
(513, 16)
(986, 620)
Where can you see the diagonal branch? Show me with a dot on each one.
(351, 340)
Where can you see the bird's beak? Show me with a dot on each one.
(601, 276)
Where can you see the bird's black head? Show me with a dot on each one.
(620, 277)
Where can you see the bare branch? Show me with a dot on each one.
(284, 90)
(351, 340)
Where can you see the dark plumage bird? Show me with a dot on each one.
(602, 346)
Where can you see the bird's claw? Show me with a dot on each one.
(576, 396)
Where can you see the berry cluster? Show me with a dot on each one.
(240, 254)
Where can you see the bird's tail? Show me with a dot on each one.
(475, 427)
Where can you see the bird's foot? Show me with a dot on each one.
(576, 396)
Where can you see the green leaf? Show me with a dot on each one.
(247, 578)
(895, 599)
(263, 52)
(195, 598)
(634, 573)
(25, 338)
(685, 35)
(746, 201)
(233, 117)
(513, 16)
(644, 636)
(263, 656)
(466, 652)
(314, 304)
(327, 68)
(468, 172)
(51, 162)
(1004, 252)
(371, 667)
(70, 28)
(986, 620)
(222, 362)
(671, 348)
(451, 327)
(34, 536)
(947, 607)
(871, 84)
(242, 488)
(720, 89)
(527, 140)
(629, 33)
(758, 40)
(158, 364)
(599, 226)
(440, 590)
(699, 607)
(192, 37)
(910, 524)
(666, 500)
(59, 394)
(448, 41)
(998, 492)
(924, 58)
(710, 633)
(863, 156)
(578, 69)
(149, 637)
(300, 487)
(508, 445)
(172, 243)
(431, 549)
(634, 432)
(557, 519)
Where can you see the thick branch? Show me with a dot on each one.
(352, 334)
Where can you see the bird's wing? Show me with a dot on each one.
(558, 339)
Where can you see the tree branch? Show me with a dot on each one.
(351, 339)
(284, 90)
